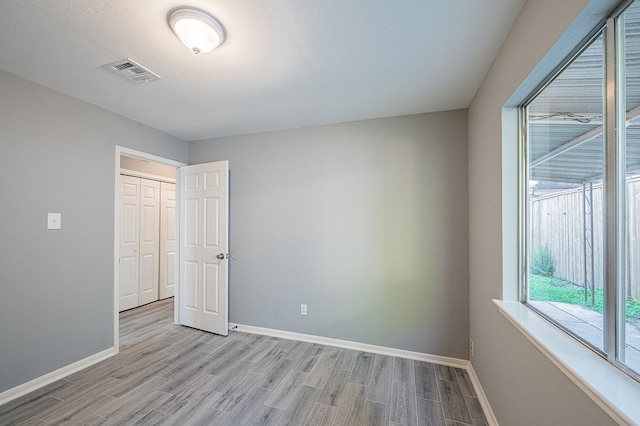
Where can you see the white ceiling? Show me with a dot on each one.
(284, 64)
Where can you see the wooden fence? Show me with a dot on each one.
(557, 221)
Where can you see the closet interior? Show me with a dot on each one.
(147, 232)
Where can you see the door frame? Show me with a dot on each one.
(128, 152)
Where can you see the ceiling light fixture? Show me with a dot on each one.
(196, 29)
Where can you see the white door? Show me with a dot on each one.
(149, 240)
(129, 241)
(167, 239)
(204, 215)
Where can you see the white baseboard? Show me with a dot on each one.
(482, 397)
(61, 373)
(383, 350)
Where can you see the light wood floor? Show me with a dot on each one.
(168, 374)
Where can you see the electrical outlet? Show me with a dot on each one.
(53, 221)
(472, 349)
(303, 309)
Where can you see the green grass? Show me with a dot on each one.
(551, 289)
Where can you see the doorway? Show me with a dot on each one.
(147, 232)
(156, 167)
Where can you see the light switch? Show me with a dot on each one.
(53, 221)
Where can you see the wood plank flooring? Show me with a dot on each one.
(166, 374)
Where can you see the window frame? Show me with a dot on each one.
(614, 116)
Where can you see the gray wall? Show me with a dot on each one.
(523, 386)
(58, 155)
(366, 222)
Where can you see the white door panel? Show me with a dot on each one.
(191, 224)
(129, 242)
(204, 247)
(211, 288)
(149, 240)
(128, 282)
(191, 285)
(147, 284)
(167, 239)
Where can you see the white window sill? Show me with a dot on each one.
(614, 391)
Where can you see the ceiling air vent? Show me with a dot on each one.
(132, 71)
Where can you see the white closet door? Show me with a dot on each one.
(129, 241)
(167, 239)
(149, 240)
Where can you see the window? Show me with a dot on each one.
(580, 191)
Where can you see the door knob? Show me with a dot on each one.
(220, 256)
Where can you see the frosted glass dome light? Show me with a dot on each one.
(197, 30)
